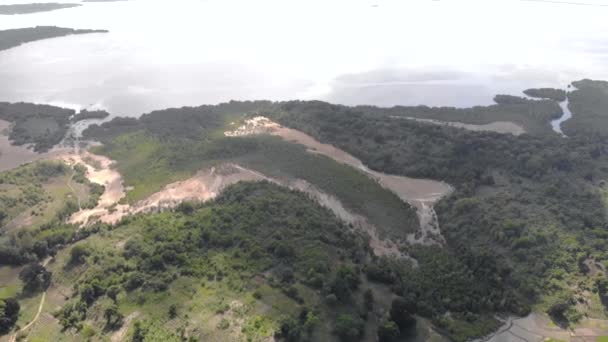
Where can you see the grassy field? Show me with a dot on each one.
(33, 194)
(140, 160)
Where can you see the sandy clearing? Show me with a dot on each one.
(100, 171)
(205, 185)
(12, 156)
(419, 193)
(504, 127)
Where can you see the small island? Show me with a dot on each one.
(42, 126)
(15, 37)
(558, 95)
(33, 8)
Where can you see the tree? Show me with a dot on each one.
(78, 254)
(345, 282)
(368, 299)
(113, 292)
(349, 328)
(41, 248)
(186, 208)
(401, 316)
(557, 311)
(139, 333)
(9, 312)
(35, 278)
(602, 287)
(172, 311)
(113, 318)
(388, 332)
(290, 330)
(311, 321)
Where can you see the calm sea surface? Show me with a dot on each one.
(162, 54)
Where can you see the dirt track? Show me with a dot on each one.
(13, 337)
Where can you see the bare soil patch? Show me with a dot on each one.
(100, 171)
(504, 127)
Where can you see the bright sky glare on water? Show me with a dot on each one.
(162, 53)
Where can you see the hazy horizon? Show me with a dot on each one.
(162, 54)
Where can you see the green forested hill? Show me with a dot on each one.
(525, 229)
(528, 211)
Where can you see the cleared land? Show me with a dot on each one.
(503, 127)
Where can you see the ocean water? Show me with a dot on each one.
(162, 53)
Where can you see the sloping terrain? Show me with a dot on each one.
(218, 272)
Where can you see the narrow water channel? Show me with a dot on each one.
(567, 114)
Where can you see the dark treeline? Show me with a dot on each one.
(33, 8)
(533, 115)
(547, 93)
(15, 37)
(87, 115)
